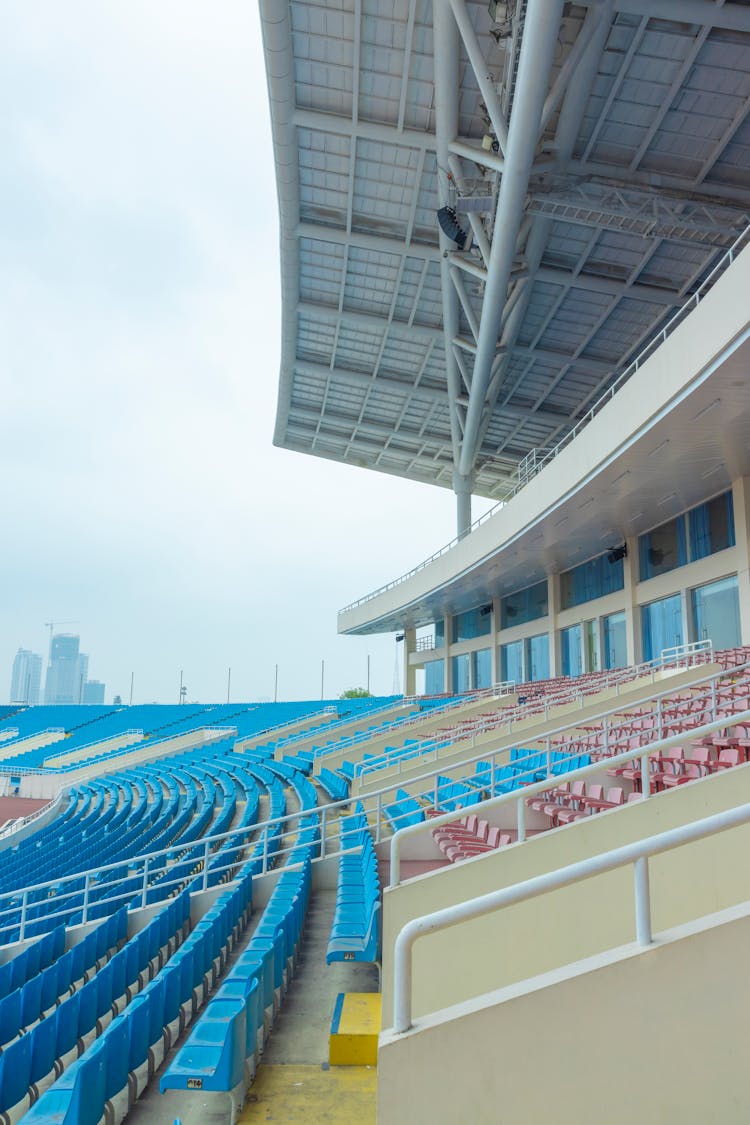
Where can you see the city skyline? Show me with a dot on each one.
(66, 680)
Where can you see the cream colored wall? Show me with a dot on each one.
(578, 921)
(657, 1037)
(46, 738)
(106, 746)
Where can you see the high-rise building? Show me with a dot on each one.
(67, 671)
(93, 692)
(26, 679)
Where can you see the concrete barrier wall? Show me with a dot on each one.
(656, 1036)
(587, 918)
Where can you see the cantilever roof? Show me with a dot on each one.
(618, 170)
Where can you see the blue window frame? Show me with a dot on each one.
(537, 657)
(571, 651)
(661, 624)
(474, 623)
(511, 662)
(525, 605)
(593, 579)
(711, 526)
(482, 661)
(615, 641)
(461, 673)
(434, 672)
(716, 613)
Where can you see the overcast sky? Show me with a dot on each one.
(139, 356)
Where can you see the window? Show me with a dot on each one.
(461, 671)
(711, 527)
(591, 637)
(663, 549)
(716, 613)
(537, 657)
(525, 605)
(434, 672)
(615, 642)
(473, 623)
(511, 662)
(482, 661)
(440, 633)
(592, 579)
(701, 532)
(661, 623)
(571, 651)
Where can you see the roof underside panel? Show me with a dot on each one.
(639, 181)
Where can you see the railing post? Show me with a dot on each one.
(86, 886)
(521, 819)
(642, 901)
(205, 866)
(144, 888)
(265, 851)
(323, 827)
(437, 793)
(645, 776)
(493, 771)
(24, 905)
(606, 735)
(714, 708)
(379, 816)
(549, 757)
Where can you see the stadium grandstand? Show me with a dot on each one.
(513, 243)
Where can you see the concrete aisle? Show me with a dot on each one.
(293, 1082)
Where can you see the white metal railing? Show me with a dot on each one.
(238, 840)
(63, 752)
(637, 854)
(24, 821)
(76, 890)
(687, 656)
(610, 733)
(536, 461)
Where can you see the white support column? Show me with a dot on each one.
(553, 607)
(632, 615)
(410, 672)
(741, 500)
(462, 488)
(447, 629)
(495, 640)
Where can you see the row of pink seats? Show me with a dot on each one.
(573, 800)
(469, 836)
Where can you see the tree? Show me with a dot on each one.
(356, 693)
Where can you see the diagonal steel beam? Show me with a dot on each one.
(537, 53)
(485, 81)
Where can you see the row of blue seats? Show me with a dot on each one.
(24, 1006)
(355, 933)
(32, 960)
(335, 785)
(524, 768)
(109, 1077)
(403, 812)
(449, 795)
(31, 1063)
(224, 1047)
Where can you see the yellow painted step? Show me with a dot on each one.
(354, 1029)
(292, 1092)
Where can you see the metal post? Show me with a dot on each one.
(549, 757)
(521, 819)
(132, 677)
(714, 712)
(437, 794)
(24, 905)
(205, 866)
(378, 814)
(642, 901)
(645, 776)
(276, 685)
(86, 886)
(229, 682)
(323, 820)
(659, 719)
(265, 851)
